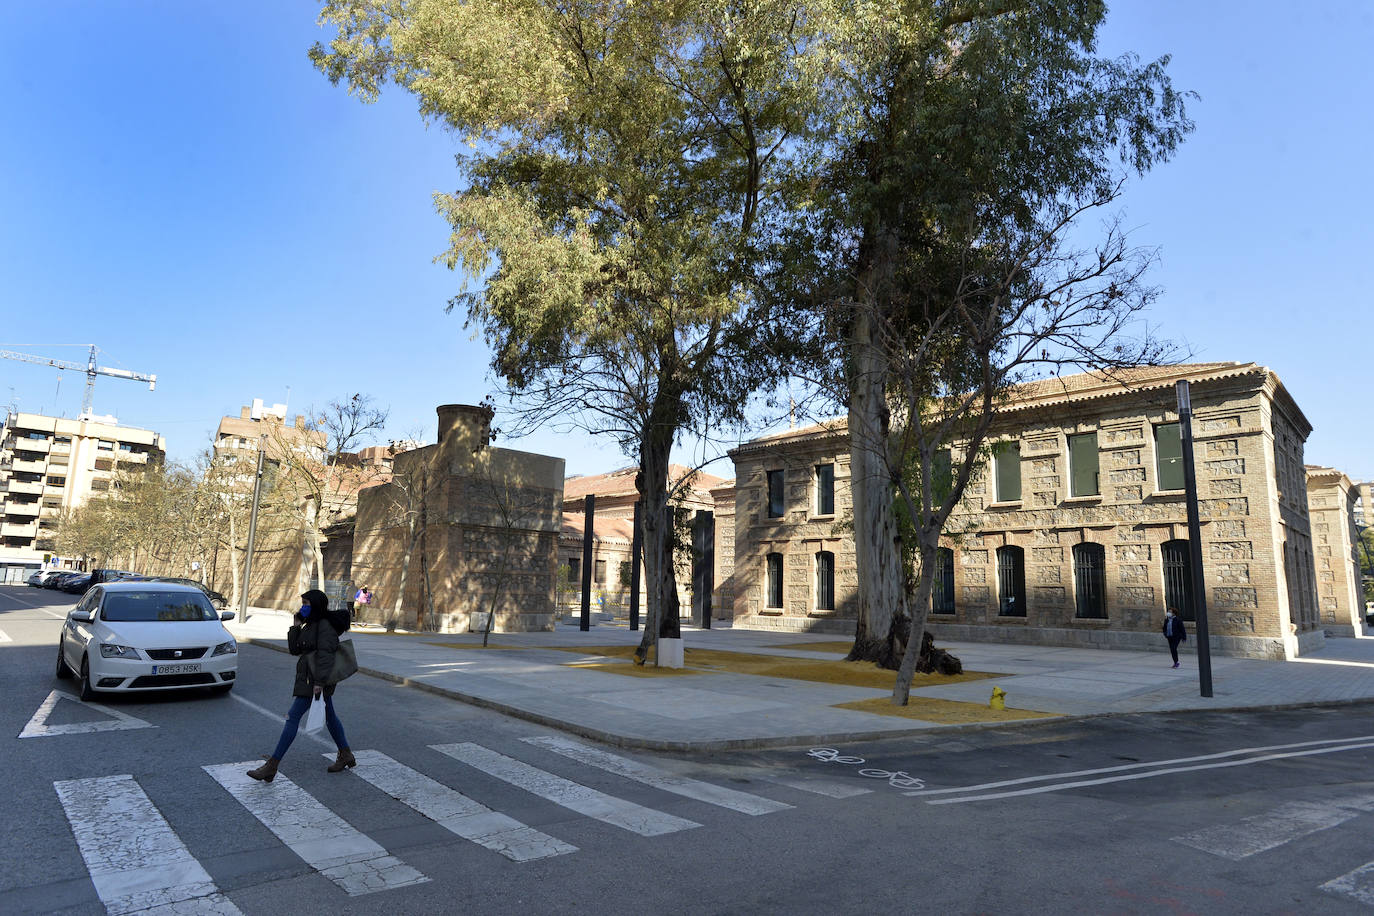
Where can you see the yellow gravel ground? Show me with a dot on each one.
(619, 660)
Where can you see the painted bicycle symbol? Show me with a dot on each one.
(898, 779)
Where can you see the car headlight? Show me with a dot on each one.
(225, 648)
(109, 650)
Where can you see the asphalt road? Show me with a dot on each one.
(1257, 813)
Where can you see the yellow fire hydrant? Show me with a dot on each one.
(998, 700)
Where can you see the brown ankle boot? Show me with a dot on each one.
(267, 772)
(343, 761)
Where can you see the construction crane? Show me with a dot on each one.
(91, 370)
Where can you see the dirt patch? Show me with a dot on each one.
(945, 712)
(851, 674)
(832, 646)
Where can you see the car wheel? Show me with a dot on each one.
(64, 671)
(86, 692)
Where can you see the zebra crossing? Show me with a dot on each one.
(137, 863)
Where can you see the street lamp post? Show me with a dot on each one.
(252, 534)
(1204, 649)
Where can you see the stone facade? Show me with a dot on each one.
(1089, 542)
(1330, 501)
(796, 536)
(486, 523)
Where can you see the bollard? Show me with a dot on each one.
(998, 700)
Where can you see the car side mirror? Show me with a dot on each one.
(226, 615)
(83, 616)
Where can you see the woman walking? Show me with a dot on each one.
(314, 636)
(1174, 632)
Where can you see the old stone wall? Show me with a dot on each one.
(1339, 601)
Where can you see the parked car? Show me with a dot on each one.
(75, 585)
(131, 636)
(36, 579)
(219, 601)
(62, 575)
(110, 575)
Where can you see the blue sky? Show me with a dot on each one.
(181, 188)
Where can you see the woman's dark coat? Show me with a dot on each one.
(318, 636)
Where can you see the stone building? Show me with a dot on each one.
(1331, 498)
(468, 527)
(612, 536)
(1075, 532)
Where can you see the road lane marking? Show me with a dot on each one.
(1358, 884)
(1138, 766)
(582, 799)
(325, 841)
(135, 860)
(742, 802)
(5, 637)
(1150, 775)
(1274, 828)
(322, 737)
(457, 813)
(38, 726)
(822, 787)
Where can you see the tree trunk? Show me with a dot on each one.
(902, 690)
(660, 577)
(877, 544)
(234, 563)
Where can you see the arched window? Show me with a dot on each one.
(942, 592)
(825, 581)
(1089, 580)
(1011, 581)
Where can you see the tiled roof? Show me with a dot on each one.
(1119, 380)
(622, 482)
(603, 528)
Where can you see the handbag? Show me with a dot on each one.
(345, 660)
(314, 720)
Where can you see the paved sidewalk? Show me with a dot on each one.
(715, 710)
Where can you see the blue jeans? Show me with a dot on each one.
(299, 705)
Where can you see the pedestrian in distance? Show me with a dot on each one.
(362, 599)
(314, 636)
(1174, 632)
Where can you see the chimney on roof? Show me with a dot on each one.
(245, 413)
(300, 421)
(465, 425)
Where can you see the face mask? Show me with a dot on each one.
(305, 610)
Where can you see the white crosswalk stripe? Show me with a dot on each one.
(821, 787)
(582, 799)
(742, 802)
(326, 842)
(456, 812)
(136, 861)
(1267, 831)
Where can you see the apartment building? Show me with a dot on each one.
(52, 464)
(1075, 533)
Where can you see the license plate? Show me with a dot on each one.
(176, 669)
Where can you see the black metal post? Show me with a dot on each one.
(588, 512)
(1204, 648)
(636, 558)
(703, 561)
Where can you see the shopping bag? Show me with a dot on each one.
(314, 719)
(345, 660)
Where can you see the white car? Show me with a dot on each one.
(129, 636)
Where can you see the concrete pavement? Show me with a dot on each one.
(531, 677)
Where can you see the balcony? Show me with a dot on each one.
(32, 445)
(31, 467)
(32, 487)
(27, 510)
(61, 448)
(13, 530)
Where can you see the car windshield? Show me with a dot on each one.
(154, 606)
